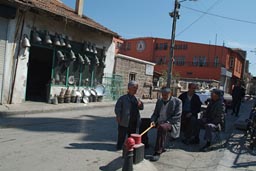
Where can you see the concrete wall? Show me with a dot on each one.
(110, 59)
(11, 51)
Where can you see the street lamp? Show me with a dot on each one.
(175, 15)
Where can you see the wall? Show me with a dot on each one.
(110, 59)
(126, 66)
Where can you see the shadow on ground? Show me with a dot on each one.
(113, 165)
(239, 144)
(99, 131)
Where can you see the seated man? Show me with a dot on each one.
(166, 117)
(212, 119)
(191, 106)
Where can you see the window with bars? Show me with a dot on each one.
(179, 61)
(132, 76)
(216, 61)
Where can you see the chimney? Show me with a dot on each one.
(79, 7)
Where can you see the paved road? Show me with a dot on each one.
(85, 140)
(76, 140)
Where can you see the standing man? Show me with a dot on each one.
(166, 118)
(191, 106)
(238, 93)
(127, 113)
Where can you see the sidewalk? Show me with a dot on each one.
(41, 107)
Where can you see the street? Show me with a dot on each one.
(72, 140)
(85, 140)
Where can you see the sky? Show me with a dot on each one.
(228, 22)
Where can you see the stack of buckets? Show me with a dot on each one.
(61, 96)
(67, 96)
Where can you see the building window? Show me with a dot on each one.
(216, 61)
(231, 62)
(118, 45)
(128, 46)
(199, 61)
(156, 48)
(179, 61)
(132, 76)
(195, 61)
(165, 46)
(161, 60)
(202, 61)
(161, 46)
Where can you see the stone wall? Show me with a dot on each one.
(125, 67)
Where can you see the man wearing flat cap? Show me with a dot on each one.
(166, 118)
(127, 113)
(212, 119)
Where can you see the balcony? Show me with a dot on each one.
(197, 64)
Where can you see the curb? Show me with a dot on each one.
(25, 108)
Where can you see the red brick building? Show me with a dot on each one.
(192, 61)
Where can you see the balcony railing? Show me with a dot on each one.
(197, 64)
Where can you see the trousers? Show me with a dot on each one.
(162, 130)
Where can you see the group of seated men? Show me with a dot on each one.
(172, 115)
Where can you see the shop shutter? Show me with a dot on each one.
(3, 37)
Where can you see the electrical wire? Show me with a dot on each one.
(220, 16)
(202, 15)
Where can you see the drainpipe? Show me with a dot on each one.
(79, 7)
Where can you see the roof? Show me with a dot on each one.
(134, 59)
(59, 8)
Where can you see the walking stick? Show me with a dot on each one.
(151, 126)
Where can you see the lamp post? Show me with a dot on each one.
(175, 15)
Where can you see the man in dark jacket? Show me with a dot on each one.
(191, 106)
(166, 118)
(238, 93)
(127, 113)
(213, 117)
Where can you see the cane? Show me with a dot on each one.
(151, 126)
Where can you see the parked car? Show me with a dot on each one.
(205, 96)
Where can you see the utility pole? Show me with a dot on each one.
(175, 15)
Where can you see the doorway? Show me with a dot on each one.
(39, 74)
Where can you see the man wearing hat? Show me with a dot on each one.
(127, 113)
(166, 118)
(212, 119)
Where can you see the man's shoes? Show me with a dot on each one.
(155, 157)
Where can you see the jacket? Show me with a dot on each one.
(174, 111)
(195, 103)
(123, 108)
(215, 112)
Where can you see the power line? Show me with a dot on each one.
(202, 15)
(220, 16)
